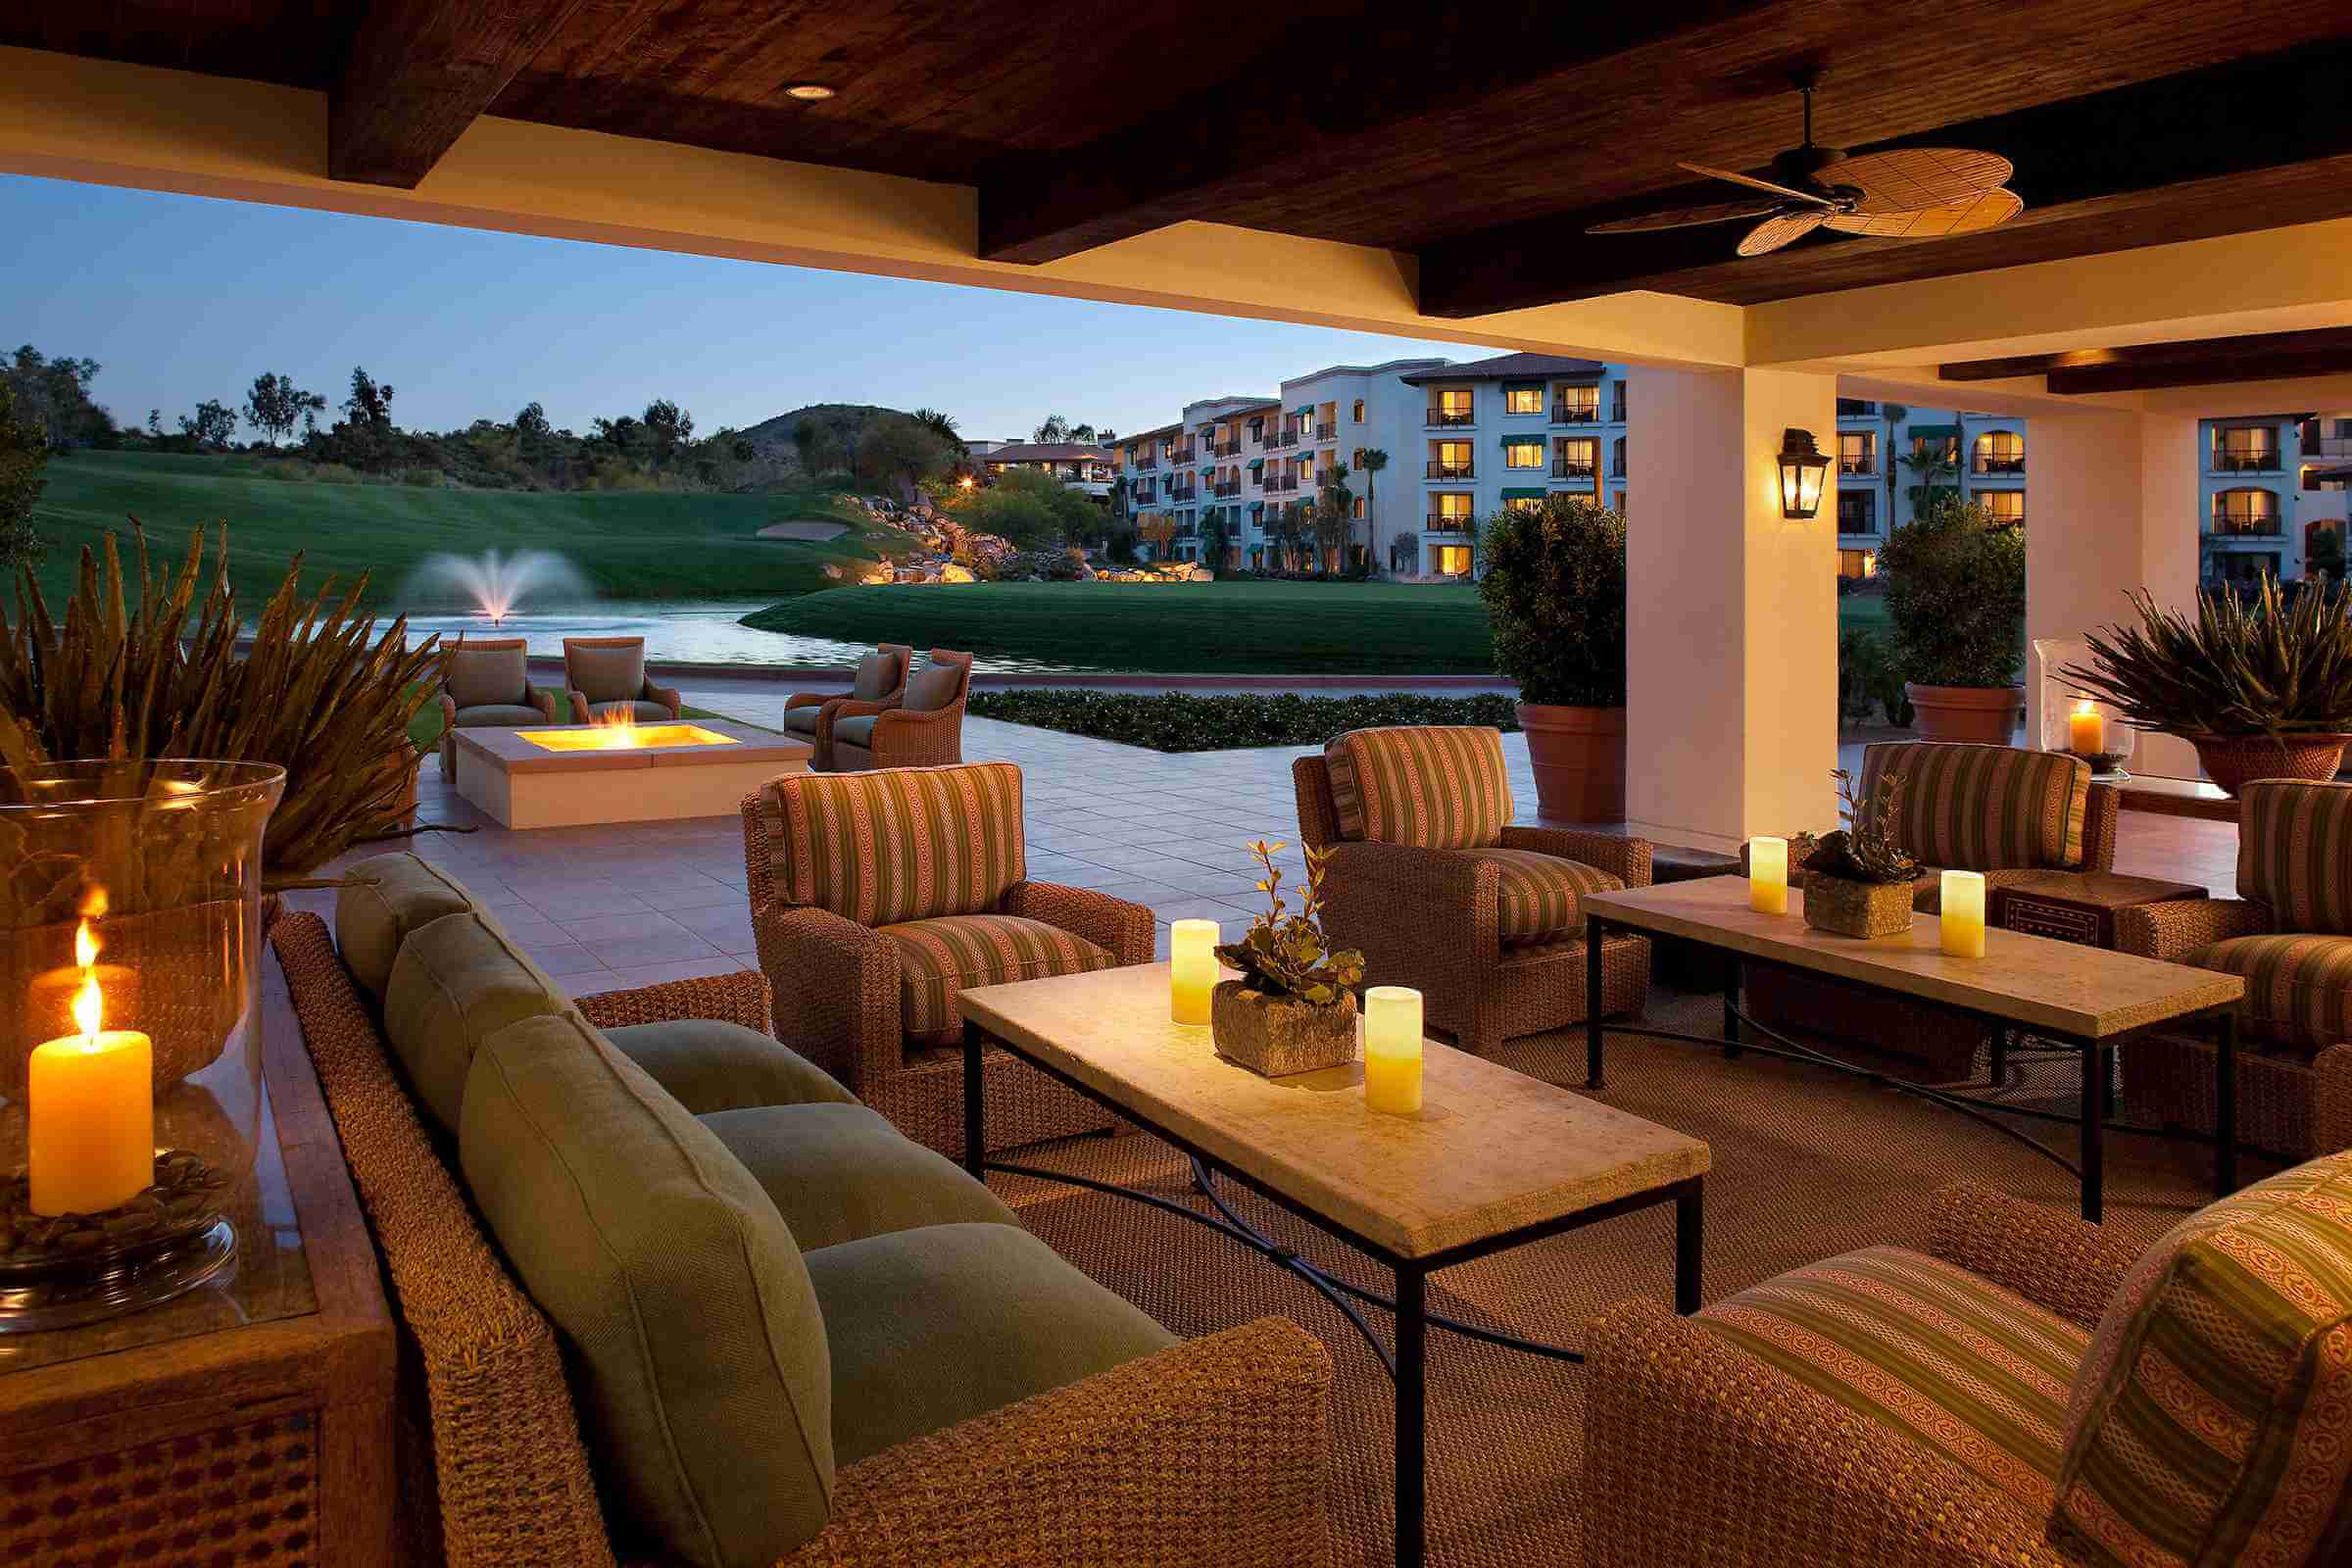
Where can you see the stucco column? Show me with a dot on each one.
(2111, 506)
(1731, 613)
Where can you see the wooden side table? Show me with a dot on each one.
(248, 1421)
(2079, 905)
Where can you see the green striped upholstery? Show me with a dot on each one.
(2295, 853)
(2213, 1419)
(2298, 988)
(1950, 1359)
(897, 844)
(1983, 808)
(1433, 786)
(936, 958)
(1542, 894)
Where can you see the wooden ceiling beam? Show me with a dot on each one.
(420, 71)
(2082, 165)
(2193, 362)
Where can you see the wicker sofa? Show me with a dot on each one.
(666, 1293)
(2289, 934)
(488, 685)
(2030, 1390)
(879, 683)
(876, 897)
(1427, 877)
(924, 727)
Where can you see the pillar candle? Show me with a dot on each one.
(1963, 918)
(89, 1115)
(1768, 875)
(2086, 730)
(1191, 969)
(1392, 1050)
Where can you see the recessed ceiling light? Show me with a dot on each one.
(810, 92)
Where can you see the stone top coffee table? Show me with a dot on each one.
(1495, 1159)
(570, 776)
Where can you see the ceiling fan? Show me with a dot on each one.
(1909, 193)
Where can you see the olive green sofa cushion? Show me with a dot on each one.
(708, 1064)
(696, 1350)
(458, 981)
(840, 1173)
(388, 896)
(935, 1326)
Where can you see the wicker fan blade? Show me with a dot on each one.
(1988, 211)
(1911, 178)
(1809, 198)
(1774, 232)
(1685, 217)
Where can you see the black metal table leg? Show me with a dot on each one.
(1690, 1225)
(2095, 1143)
(1412, 1418)
(975, 1096)
(2225, 1107)
(1592, 939)
(1731, 971)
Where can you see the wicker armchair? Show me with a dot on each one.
(867, 965)
(2289, 934)
(879, 682)
(924, 728)
(492, 1465)
(1485, 929)
(606, 679)
(488, 686)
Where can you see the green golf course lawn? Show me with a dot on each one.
(1166, 628)
(630, 544)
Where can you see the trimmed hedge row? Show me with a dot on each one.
(1187, 721)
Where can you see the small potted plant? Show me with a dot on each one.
(1857, 879)
(1956, 596)
(2262, 691)
(1294, 1009)
(1554, 587)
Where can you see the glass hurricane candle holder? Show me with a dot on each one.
(130, 940)
(2072, 719)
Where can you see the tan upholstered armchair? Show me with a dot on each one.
(488, 686)
(879, 682)
(924, 728)
(607, 680)
(2288, 934)
(867, 950)
(2030, 1390)
(1430, 879)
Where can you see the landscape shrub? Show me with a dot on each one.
(1956, 596)
(335, 473)
(1357, 573)
(1869, 680)
(422, 478)
(1554, 588)
(1191, 721)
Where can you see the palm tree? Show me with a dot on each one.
(1082, 432)
(1370, 460)
(944, 424)
(1052, 433)
(1938, 460)
(1894, 414)
(1333, 525)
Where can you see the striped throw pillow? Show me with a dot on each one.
(900, 843)
(1433, 786)
(1983, 807)
(2295, 853)
(2212, 1421)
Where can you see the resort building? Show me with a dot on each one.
(2271, 495)
(1079, 465)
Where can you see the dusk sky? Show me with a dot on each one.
(181, 298)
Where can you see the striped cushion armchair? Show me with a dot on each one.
(2028, 1390)
(2288, 933)
(1430, 879)
(877, 897)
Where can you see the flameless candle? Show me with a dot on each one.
(1963, 913)
(1191, 969)
(1392, 1050)
(2086, 730)
(1768, 875)
(90, 1108)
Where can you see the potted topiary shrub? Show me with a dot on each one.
(2262, 691)
(1294, 1009)
(1956, 594)
(1554, 587)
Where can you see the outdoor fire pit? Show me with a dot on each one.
(573, 774)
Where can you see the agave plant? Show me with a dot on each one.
(1287, 954)
(314, 691)
(2270, 670)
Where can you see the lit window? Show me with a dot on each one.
(2000, 451)
(1523, 454)
(1359, 506)
(2246, 446)
(1523, 400)
(1857, 511)
(1857, 452)
(1576, 404)
(1359, 410)
(2009, 505)
(2246, 512)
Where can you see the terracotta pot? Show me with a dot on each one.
(2233, 762)
(1579, 754)
(1846, 908)
(1277, 1036)
(1984, 714)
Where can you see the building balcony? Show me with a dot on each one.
(1327, 432)
(1278, 440)
(1453, 470)
(1445, 523)
(1283, 481)
(2245, 528)
(1447, 419)
(2328, 446)
(1227, 449)
(1858, 467)
(1997, 467)
(1146, 463)
(1226, 488)
(1185, 493)
(1576, 414)
(1182, 455)
(1563, 469)
(2246, 462)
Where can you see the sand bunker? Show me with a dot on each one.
(815, 532)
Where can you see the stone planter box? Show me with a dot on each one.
(1278, 1036)
(1846, 908)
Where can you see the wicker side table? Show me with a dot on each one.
(2079, 905)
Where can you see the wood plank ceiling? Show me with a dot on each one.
(1485, 138)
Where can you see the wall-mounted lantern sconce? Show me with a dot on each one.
(1802, 470)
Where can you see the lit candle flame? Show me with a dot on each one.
(90, 1003)
(86, 948)
(2085, 706)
